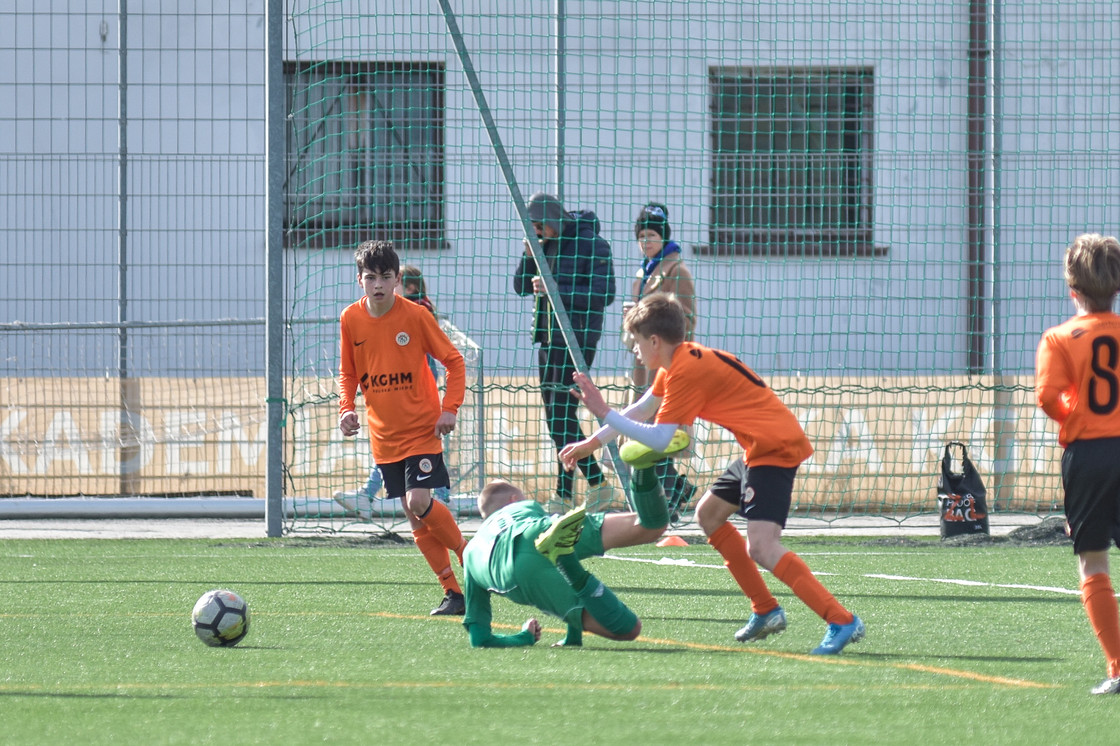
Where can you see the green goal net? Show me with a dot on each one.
(872, 200)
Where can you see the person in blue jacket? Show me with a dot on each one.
(580, 261)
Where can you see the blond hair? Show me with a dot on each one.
(496, 495)
(1092, 268)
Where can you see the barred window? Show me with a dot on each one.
(791, 162)
(365, 146)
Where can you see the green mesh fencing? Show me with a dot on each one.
(871, 198)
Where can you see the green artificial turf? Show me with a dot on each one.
(985, 644)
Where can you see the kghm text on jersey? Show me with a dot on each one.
(382, 380)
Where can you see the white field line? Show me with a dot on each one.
(681, 562)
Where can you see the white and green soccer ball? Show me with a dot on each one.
(220, 618)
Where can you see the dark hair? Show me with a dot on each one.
(658, 314)
(653, 216)
(377, 256)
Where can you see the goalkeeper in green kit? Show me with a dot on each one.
(533, 559)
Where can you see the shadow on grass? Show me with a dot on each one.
(940, 659)
(256, 694)
(622, 648)
(208, 582)
(717, 592)
(701, 620)
(957, 599)
(83, 695)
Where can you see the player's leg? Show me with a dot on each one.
(649, 499)
(561, 537)
(678, 489)
(644, 525)
(625, 530)
(1091, 480)
(602, 612)
(603, 531)
(422, 474)
(712, 513)
(1098, 597)
(767, 495)
(430, 546)
(540, 583)
(605, 615)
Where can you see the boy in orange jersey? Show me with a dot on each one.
(1077, 384)
(385, 343)
(693, 381)
(360, 501)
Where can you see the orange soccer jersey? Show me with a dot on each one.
(387, 357)
(1077, 377)
(712, 385)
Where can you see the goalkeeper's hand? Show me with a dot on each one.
(533, 626)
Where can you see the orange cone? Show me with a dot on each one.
(672, 541)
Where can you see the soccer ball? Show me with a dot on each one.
(220, 618)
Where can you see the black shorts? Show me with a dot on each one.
(763, 493)
(426, 471)
(1091, 478)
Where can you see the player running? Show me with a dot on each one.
(693, 381)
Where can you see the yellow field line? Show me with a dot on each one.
(828, 660)
(484, 685)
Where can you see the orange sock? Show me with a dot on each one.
(730, 544)
(438, 558)
(793, 571)
(1099, 600)
(442, 524)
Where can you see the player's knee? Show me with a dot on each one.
(711, 513)
(419, 502)
(709, 523)
(758, 555)
(765, 553)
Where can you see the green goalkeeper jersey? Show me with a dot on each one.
(489, 557)
(502, 558)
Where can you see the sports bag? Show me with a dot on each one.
(961, 496)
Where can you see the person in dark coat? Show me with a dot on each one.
(580, 262)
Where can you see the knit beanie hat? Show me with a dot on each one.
(546, 209)
(654, 217)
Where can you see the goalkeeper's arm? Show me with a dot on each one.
(483, 637)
